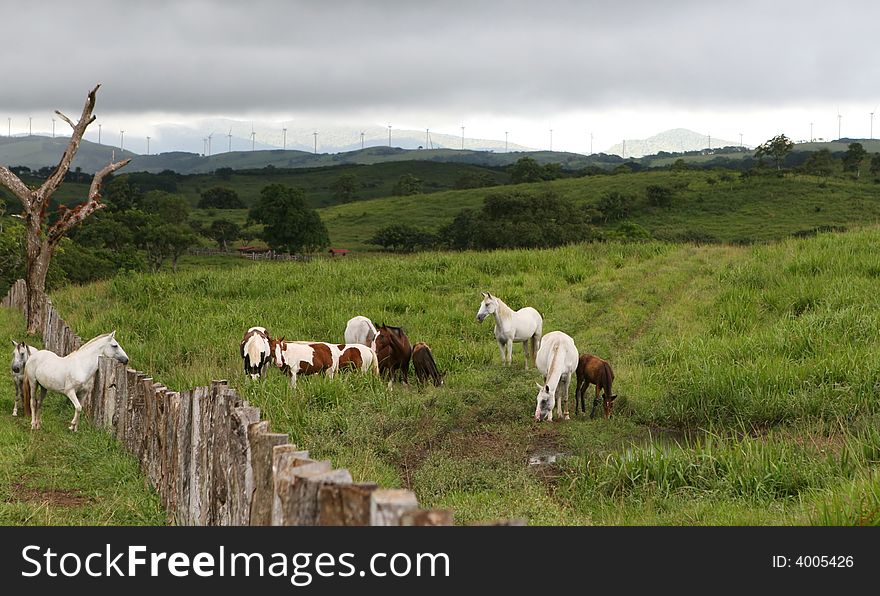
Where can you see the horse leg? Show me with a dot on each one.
(77, 407)
(501, 348)
(579, 396)
(36, 402)
(562, 396)
(509, 352)
(17, 399)
(595, 402)
(526, 352)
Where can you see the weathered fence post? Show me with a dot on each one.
(262, 442)
(387, 505)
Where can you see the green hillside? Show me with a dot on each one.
(746, 375)
(705, 206)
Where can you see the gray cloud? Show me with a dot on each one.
(523, 59)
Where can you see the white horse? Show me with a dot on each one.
(360, 330)
(20, 355)
(557, 360)
(523, 325)
(71, 375)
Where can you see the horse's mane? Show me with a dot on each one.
(94, 340)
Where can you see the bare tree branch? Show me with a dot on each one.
(66, 119)
(71, 217)
(19, 188)
(57, 177)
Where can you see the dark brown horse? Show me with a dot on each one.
(592, 369)
(424, 365)
(394, 352)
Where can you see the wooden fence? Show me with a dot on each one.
(214, 462)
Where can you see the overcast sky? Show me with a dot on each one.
(615, 70)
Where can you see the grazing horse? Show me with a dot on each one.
(557, 360)
(357, 356)
(256, 351)
(20, 354)
(592, 369)
(72, 375)
(424, 365)
(304, 358)
(359, 330)
(523, 325)
(394, 351)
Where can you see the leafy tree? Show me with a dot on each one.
(407, 185)
(223, 173)
(526, 169)
(820, 163)
(517, 219)
(220, 197)
(614, 205)
(289, 224)
(165, 206)
(658, 196)
(403, 238)
(167, 240)
(223, 232)
(474, 180)
(345, 187)
(680, 165)
(777, 148)
(853, 158)
(875, 165)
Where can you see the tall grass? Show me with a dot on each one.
(743, 341)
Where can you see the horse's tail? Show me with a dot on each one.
(535, 339)
(26, 394)
(432, 368)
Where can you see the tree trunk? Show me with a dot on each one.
(39, 254)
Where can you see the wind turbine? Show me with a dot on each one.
(838, 122)
(209, 143)
(462, 137)
(872, 122)
(121, 140)
(284, 138)
(229, 135)
(253, 137)
(148, 145)
(316, 141)
(362, 139)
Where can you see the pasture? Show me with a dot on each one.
(747, 377)
(55, 477)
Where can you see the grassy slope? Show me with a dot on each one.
(770, 350)
(55, 477)
(703, 207)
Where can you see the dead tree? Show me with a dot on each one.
(42, 239)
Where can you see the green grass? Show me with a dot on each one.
(56, 477)
(746, 375)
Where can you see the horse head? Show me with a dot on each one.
(545, 402)
(19, 356)
(277, 347)
(487, 307)
(112, 349)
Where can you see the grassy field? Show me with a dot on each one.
(747, 376)
(706, 206)
(55, 477)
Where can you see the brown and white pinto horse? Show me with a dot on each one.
(358, 357)
(255, 351)
(394, 352)
(592, 369)
(424, 365)
(304, 358)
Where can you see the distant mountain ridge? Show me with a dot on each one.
(676, 140)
